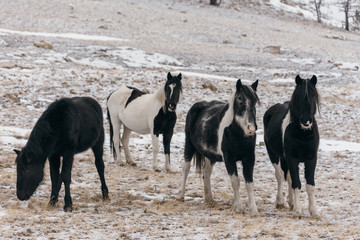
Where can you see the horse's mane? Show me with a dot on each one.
(43, 131)
(251, 94)
(308, 90)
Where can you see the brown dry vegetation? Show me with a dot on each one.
(226, 41)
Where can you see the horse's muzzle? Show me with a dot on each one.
(172, 107)
(22, 196)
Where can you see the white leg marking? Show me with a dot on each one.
(279, 174)
(297, 204)
(125, 141)
(235, 183)
(155, 143)
(207, 184)
(290, 190)
(252, 205)
(185, 173)
(312, 202)
(167, 163)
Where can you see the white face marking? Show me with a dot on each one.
(307, 126)
(243, 121)
(172, 86)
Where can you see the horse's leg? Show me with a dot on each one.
(98, 151)
(293, 165)
(310, 187)
(54, 163)
(125, 141)
(116, 139)
(155, 143)
(207, 170)
(248, 170)
(290, 197)
(68, 159)
(279, 174)
(185, 173)
(189, 151)
(166, 141)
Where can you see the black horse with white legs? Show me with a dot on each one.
(291, 137)
(67, 127)
(218, 131)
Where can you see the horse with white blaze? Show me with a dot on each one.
(291, 136)
(218, 131)
(144, 113)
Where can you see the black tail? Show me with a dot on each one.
(111, 134)
(199, 160)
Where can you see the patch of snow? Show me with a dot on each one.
(62, 35)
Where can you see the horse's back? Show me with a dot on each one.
(202, 125)
(273, 119)
(78, 122)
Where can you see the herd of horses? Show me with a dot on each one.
(215, 131)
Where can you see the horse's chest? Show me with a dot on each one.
(234, 143)
(164, 122)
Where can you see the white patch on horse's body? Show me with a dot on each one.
(140, 113)
(225, 122)
(284, 125)
(307, 126)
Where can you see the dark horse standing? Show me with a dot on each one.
(67, 127)
(291, 136)
(219, 131)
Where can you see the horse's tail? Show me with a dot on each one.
(112, 147)
(199, 160)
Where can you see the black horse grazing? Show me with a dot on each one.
(223, 131)
(67, 127)
(291, 136)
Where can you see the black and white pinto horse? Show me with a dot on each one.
(144, 113)
(291, 136)
(67, 127)
(218, 131)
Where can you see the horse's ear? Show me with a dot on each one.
(17, 152)
(179, 76)
(254, 85)
(169, 76)
(298, 80)
(238, 85)
(313, 80)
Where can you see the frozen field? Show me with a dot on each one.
(57, 49)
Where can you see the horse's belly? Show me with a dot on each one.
(136, 124)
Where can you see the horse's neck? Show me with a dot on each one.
(160, 96)
(40, 139)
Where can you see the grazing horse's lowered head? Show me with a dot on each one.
(245, 99)
(304, 101)
(30, 173)
(173, 89)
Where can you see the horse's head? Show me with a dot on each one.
(245, 99)
(304, 102)
(29, 173)
(173, 89)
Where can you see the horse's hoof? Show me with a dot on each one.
(68, 209)
(168, 170)
(156, 169)
(238, 209)
(133, 164)
(106, 199)
(253, 212)
(280, 206)
(315, 214)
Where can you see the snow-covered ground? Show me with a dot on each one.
(98, 46)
